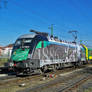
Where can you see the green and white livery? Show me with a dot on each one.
(39, 51)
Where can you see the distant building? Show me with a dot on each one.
(6, 51)
(1, 50)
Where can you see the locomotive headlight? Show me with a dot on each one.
(11, 64)
(14, 53)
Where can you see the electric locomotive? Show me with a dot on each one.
(40, 52)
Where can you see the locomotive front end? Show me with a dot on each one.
(21, 54)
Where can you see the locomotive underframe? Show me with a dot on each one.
(34, 65)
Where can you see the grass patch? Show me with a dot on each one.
(88, 90)
(3, 61)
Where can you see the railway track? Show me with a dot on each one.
(73, 86)
(14, 81)
(63, 84)
(12, 75)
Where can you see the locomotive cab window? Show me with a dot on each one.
(23, 43)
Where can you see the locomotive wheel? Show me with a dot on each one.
(79, 63)
(54, 68)
(40, 71)
(44, 69)
(58, 66)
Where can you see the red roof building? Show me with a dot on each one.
(6, 51)
(1, 50)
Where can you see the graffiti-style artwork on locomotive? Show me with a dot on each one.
(52, 52)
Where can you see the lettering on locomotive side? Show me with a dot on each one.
(56, 52)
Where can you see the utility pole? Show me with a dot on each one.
(74, 34)
(51, 28)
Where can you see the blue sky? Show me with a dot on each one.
(20, 16)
